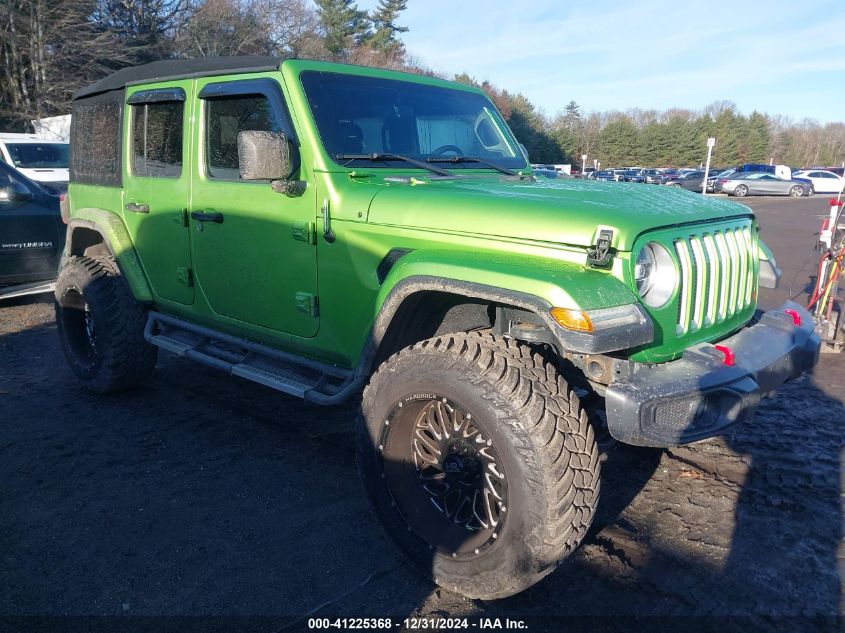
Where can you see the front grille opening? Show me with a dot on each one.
(717, 273)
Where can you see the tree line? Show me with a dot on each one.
(50, 48)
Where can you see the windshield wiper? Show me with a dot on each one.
(386, 157)
(471, 159)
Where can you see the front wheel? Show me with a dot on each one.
(796, 191)
(101, 326)
(741, 191)
(479, 462)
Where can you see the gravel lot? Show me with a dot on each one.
(205, 495)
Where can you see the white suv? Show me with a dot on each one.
(43, 160)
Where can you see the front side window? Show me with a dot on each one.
(225, 118)
(157, 139)
(368, 115)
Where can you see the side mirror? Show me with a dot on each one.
(15, 192)
(264, 155)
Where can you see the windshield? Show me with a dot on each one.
(367, 115)
(38, 155)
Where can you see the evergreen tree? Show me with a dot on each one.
(572, 116)
(618, 143)
(758, 138)
(727, 150)
(343, 23)
(385, 37)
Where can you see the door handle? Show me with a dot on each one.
(211, 216)
(137, 208)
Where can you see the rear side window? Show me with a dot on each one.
(157, 130)
(225, 118)
(95, 139)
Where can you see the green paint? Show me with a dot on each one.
(267, 272)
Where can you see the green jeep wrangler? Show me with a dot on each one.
(329, 230)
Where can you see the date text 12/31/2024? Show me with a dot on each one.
(416, 624)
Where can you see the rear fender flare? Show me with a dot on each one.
(118, 242)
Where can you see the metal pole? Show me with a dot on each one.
(710, 143)
(583, 163)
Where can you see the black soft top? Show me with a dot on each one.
(179, 69)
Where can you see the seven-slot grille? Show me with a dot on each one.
(717, 276)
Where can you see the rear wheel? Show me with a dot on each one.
(479, 461)
(741, 191)
(796, 191)
(101, 326)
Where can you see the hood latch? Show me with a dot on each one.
(602, 254)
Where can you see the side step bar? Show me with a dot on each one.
(317, 382)
(22, 290)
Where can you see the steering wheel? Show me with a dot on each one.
(447, 148)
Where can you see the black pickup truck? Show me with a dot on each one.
(32, 235)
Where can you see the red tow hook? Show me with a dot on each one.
(796, 318)
(729, 358)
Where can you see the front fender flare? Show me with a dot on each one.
(521, 282)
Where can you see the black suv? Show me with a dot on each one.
(32, 235)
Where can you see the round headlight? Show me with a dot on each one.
(655, 275)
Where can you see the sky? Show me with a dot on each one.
(773, 56)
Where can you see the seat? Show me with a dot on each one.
(350, 138)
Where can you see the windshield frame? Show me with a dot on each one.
(517, 162)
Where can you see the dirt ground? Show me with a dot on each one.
(204, 495)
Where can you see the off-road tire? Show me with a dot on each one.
(90, 295)
(537, 426)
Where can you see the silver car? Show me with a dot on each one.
(762, 184)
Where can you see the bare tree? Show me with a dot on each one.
(48, 50)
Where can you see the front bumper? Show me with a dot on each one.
(699, 396)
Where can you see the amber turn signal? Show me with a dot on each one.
(572, 319)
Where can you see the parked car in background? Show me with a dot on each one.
(543, 172)
(714, 178)
(603, 174)
(823, 181)
(32, 234)
(39, 159)
(691, 181)
(762, 184)
(633, 175)
(653, 176)
(666, 175)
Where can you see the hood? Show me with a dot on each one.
(555, 211)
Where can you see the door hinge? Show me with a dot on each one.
(181, 218)
(185, 275)
(307, 303)
(305, 232)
